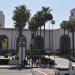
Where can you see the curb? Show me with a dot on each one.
(7, 67)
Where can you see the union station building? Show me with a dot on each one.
(54, 39)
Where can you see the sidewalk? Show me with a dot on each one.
(60, 62)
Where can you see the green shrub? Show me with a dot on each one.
(6, 56)
(4, 61)
(47, 61)
(16, 57)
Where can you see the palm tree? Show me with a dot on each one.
(35, 23)
(21, 17)
(46, 16)
(39, 20)
(64, 25)
(72, 30)
(70, 26)
(33, 26)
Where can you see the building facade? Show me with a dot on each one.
(54, 39)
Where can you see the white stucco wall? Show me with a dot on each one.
(12, 35)
(56, 37)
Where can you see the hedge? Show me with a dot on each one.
(4, 61)
(47, 61)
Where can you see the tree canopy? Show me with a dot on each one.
(21, 16)
(40, 18)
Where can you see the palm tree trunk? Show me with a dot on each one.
(20, 32)
(40, 30)
(64, 43)
(37, 32)
(44, 35)
(73, 42)
(68, 32)
(64, 32)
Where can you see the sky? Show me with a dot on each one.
(60, 12)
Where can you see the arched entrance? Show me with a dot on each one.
(3, 42)
(65, 44)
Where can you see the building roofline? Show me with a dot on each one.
(27, 29)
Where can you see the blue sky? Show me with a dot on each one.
(61, 9)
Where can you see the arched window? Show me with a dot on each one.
(65, 43)
(3, 42)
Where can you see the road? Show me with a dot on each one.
(15, 72)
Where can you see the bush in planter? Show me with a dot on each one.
(6, 56)
(47, 61)
(16, 57)
(51, 62)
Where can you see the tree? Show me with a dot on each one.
(46, 16)
(21, 16)
(39, 19)
(71, 27)
(64, 25)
